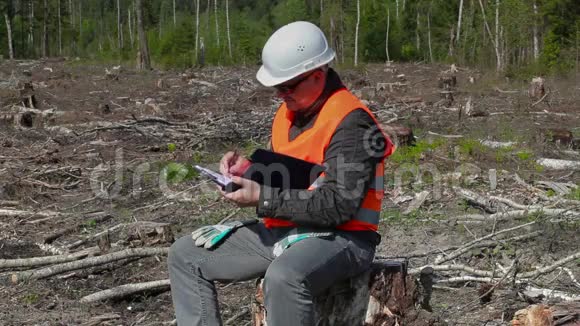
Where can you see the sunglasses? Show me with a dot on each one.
(289, 88)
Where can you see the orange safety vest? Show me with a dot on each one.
(311, 144)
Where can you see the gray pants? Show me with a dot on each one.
(290, 281)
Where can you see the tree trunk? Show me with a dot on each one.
(80, 23)
(356, 33)
(577, 47)
(228, 28)
(31, 27)
(59, 30)
(144, 59)
(131, 38)
(417, 37)
(397, 10)
(429, 35)
(119, 29)
(459, 21)
(497, 32)
(45, 31)
(321, 11)
(71, 13)
(333, 39)
(451, 41)
(388, 28)
(9, 32)
(535, 31)
(196, 28)
(383, 295)
(207, 11)
(496, 42)
(217, 26)
(174, 16)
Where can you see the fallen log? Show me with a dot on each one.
(126, 290)
(384, 295)
(555, 164)
(86, 263)
(47, 260)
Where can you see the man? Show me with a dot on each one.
(307, 239)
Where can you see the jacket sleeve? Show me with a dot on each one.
(350, 162)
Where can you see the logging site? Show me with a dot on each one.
(290, 162)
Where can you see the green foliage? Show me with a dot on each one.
(31, 298)
(94, 37)
(470, 147)
(525, 155)
(413, 154)
(171, 147)
(176, 172)
(91, 223)
(574, 194)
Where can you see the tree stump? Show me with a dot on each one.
(537, 89)
(447, 82)
(383, 295)
(399, 134)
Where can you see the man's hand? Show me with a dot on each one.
(247, 196)
(233, 164)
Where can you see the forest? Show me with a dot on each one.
(534, 36)
(107, 106)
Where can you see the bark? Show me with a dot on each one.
(174, 15)
(535, 31)
(47, 260)
(397, 6)
(144, 59)
(71, 13)
(429, 36)
(130, 27)
(321, 11)
(126, 290)
(80, 21)
(87, 262)
(333, 39)
(459, 21)
(387, 36)
(196, 27)
(228, 28)
(217, 27)
(59, 30)
(9, 32)
(417, 37)
(31, 26)
(119, 29)
(356, 33)
(45, 31)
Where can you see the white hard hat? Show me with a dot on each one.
(292, 50)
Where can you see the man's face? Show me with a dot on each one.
(300, 93)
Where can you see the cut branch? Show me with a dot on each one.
(48, 260)
(126, 290)
(88, 262)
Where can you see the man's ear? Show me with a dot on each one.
(320, 75)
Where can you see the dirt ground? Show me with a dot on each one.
(101, 140)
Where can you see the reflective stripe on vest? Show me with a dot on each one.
(311, 144)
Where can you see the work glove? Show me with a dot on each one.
(294, 237)
(210, 235)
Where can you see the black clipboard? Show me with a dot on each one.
(282, 171)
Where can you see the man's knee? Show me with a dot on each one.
(280, 277)
(182, 250)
